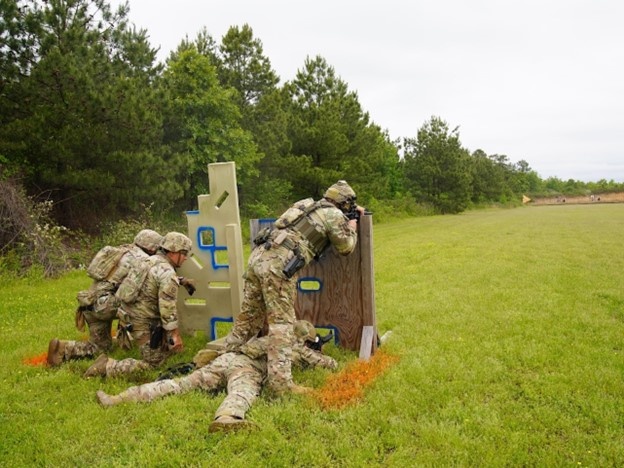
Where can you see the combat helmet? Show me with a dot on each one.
(148, 240)
(341, 194)
(304, 331)
(175, 242)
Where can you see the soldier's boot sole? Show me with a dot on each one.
(231, 424)
(56, 352)
(98, 368)
(107, 400)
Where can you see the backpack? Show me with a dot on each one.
(105, 262)
(129, 289)
(296, 212)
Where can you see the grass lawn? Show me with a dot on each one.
(507, 329)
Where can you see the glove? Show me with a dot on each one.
(175, 341)
(189, 285)
(205, 357)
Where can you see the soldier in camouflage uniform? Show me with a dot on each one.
(242, 373)
(300, 235)
(151, 319)
(100, 314)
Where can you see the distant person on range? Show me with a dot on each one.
(97, 306)
(148, 313)
(300, 235)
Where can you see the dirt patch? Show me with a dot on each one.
(596, 198)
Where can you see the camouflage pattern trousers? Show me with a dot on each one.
(100, 322)
(268, 296)
(241, 375)
(150, 358)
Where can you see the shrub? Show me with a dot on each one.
(28, 235)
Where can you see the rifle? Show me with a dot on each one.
(319, 342)
(354, 213)
(182, 368)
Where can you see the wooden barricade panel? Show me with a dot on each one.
(338, 292)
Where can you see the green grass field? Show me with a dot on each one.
(508, 325)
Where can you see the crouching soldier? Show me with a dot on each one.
(241, 373)
(148, 313)
(301, 235)
(97, 306)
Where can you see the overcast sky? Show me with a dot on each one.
(539, 80)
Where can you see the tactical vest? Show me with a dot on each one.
(298, 217)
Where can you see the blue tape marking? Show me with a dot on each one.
(334, 330)
(192, 212)
(210, 248)
(213, 325)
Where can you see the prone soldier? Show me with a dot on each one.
(241, 372)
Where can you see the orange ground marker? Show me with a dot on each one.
(347, 386)
(39, 360)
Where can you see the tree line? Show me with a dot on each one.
(92, 121)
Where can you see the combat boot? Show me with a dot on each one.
(56, 352)
(106, 399)
(230, 424)
(98, 368)
(299, 389)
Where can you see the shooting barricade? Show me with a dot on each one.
(338, 292)
(216, 259)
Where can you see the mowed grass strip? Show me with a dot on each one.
(507, 326)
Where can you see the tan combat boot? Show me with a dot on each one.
(107, 400)
(230, 424)
(299, 389)
(98, 368)
(56, 352)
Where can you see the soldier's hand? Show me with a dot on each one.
(175, 341)
(189, 285)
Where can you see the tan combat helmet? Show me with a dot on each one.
(148, 240)
(175, 242)
(341, 194)
(304, 331)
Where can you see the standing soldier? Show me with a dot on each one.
(148, 314)
(242, 373)
(300, 235)
(98, 305)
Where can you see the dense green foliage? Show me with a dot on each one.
(508, 326)
(89, 118)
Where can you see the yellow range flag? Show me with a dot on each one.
(525, 199)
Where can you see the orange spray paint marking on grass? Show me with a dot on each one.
(348, 385)
(39, 360)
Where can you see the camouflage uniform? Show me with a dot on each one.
(242, 373)
(101, 314)
(269, 294)
(154, 306)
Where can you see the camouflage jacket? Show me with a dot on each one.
(158, 296)
(130, 259)
(327, 222)
(302, 356)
